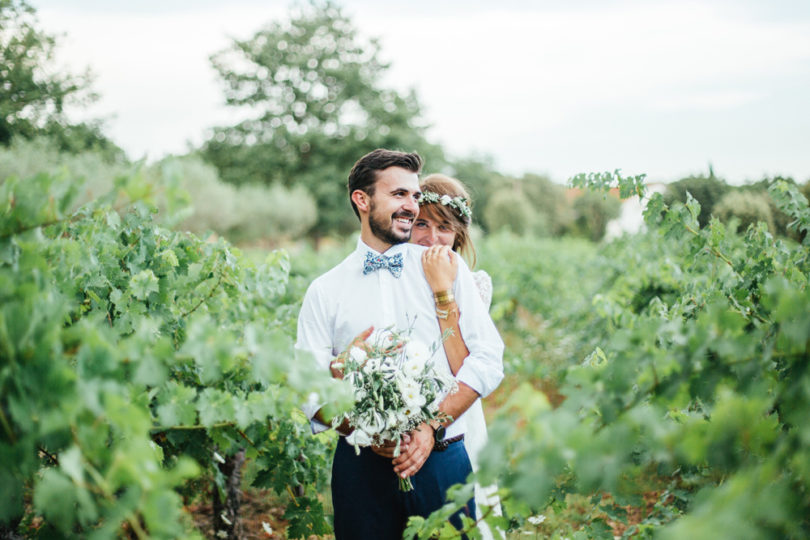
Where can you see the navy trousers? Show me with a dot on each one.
(366, 498)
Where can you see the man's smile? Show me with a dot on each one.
(404, 218)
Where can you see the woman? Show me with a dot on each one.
(443, 225)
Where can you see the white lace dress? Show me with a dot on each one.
(476, 436)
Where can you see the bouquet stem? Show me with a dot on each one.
(405, 484)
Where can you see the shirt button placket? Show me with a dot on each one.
(386, 297)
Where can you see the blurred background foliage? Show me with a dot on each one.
(309, 97)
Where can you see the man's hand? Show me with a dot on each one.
(387, 450)
(416, 453)
(360, 342)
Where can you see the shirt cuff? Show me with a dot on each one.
(468, 376)
(311, 408)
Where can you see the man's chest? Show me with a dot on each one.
(399, 305)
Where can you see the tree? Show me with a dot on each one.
(748, 207)
(707, 190)
(781, 220)
(549, 199)
(478, 174)
(34, 93)
(314, 92)
(509, 209)
(594, 211)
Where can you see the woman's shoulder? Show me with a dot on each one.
(484, 285)
(481, 276)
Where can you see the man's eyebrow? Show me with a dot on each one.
(405, 190)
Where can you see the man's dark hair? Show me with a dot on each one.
(364, 172)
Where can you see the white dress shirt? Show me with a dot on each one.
(343, 302)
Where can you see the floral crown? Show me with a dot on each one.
(459, 203)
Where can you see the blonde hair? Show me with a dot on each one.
(441, 184)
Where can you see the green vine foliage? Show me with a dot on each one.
(132, 357)
(693, 405)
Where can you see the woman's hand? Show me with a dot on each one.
(441, 266)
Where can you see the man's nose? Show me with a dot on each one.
(412, 206)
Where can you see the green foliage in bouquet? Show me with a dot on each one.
(396, 388)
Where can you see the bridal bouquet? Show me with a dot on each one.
(396, 388)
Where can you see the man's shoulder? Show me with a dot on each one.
(413, 250)
(338, 273)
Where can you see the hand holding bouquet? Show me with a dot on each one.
(396, 388)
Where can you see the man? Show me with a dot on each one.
(382, 284)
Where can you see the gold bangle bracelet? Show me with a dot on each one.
(444, 297)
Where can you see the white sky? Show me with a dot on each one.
(656, 87)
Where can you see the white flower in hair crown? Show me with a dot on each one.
(459, 203)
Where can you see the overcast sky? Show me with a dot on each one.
(662, 88)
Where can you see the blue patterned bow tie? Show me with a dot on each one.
(375, 262)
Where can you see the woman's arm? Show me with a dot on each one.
(440, 265)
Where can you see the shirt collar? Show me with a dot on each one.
(362, 248)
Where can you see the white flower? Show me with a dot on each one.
(417, 354)
(445, 199)
(358, 354)
(402, 417)
(218, 458)
(410, 412)
(267, 529)
(406, 383)
(373, 422)
(411, 393)
(412, 369)
(372, 365)
(393, 420)
(357, 438)
(389, 368)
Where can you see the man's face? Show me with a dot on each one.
(394, 205)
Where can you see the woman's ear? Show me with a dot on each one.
(361, 200)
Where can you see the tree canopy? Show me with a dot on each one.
(34, 93)
(312, 92)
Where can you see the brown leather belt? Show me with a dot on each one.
(442, 446)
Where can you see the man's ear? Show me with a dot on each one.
(361, 200)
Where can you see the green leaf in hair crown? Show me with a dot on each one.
(459, 203)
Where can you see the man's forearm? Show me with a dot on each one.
(455, 404)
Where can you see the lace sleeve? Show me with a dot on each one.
(484, 285)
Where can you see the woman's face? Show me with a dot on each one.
(429, 232)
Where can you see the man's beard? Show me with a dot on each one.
(387, 234)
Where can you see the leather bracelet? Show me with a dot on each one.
(441, 446)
